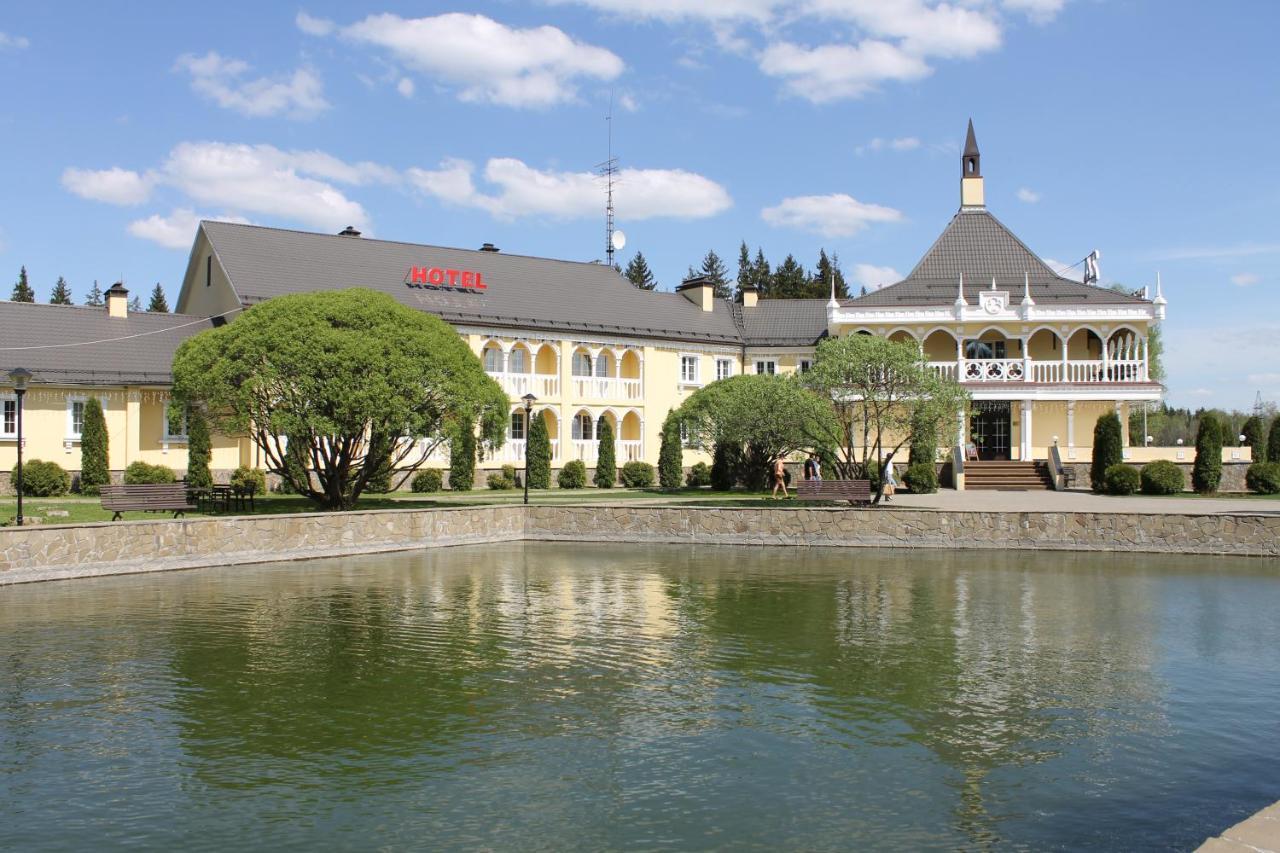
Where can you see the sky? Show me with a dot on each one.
(1144, 129)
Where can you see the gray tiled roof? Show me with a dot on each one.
(144, 358)
(782, 322)
(980, 247)
(527, 292)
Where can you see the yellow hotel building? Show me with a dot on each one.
(1042, 355)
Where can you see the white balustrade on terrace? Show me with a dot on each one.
(630, 451)
(584, 449)
(540, 385)
(1057, 371)
(512, 452)
(605, 388)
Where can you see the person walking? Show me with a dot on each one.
(780, 478)
(890, 479)
(811, 468)
(817, 466)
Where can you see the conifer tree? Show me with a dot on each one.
(827, 269)
(670, 454)
(1108, 450)
(714, 270)
(744, 269)
(61, 293)
(135, 305)
(639, 274)
(462, 459)
(761, 276)
(94, 470)
(606, 458)
(1255, 436)
(538, 453)
(1273, 441)
(159, 305)
(95, 299)
(790, 281)
(1206, 471)
(198, 450)
(22, 291)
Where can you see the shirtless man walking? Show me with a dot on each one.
(779, 478)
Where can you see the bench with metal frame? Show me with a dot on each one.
(146, 497)
(853, 491)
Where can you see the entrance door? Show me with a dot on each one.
(989, 428)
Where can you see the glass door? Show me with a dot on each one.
(989, 428)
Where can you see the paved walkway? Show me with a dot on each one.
(1078, 501)
(1258, 834)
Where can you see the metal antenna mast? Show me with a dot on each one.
(608, 169)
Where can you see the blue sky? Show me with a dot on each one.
(1142, 128)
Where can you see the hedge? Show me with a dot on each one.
(573, 475)
(921, 478)
(1122, 479)
(42, 479)
(1206, 472)
(1162, 477)
(699, 475)
(1108, 450)
(139, 473)
(637, 475)
(1263, 478)
(429, 480)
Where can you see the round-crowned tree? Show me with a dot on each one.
(1206, 472)
(346, 373)
(1108, 450)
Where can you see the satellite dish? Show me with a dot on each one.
(619, 240)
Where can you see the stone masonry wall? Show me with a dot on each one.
(49, 552)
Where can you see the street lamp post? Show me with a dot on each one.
(19, 376)
(529, 400)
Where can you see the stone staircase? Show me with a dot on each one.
(1007, 476)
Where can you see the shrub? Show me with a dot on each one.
(246, 479)
(1162, 477)
(1273, 441)
(924, 445)
(573, 475)
(509, 472)
(1108, 450)
(606, 460)
(500, 483)
(670, 454)
(1255, 436)
(699, 475)
(921, 478)
(1263, 478)
(42, 479)
(637, 475)
(1206, 472)
(139, 473)
(1122, 479)
(462, 459)
(724, 467)
(94, 473)
(538, 454)
(429, 480)
(198, 449)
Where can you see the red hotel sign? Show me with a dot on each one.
(437, 277)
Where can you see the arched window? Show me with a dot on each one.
(581, 363)
(492, 360)
(515, 360)
(582, 427)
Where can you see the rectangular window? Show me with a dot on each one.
(766, 366)
(581, 364)
(517, 426)
(75, 418)
(175, 421)
(689, 369)
(805, 364)
(10, 412)
(684, 435)
(582, 427)
(515, 360)
(724, 368)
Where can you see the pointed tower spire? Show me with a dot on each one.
(971, 194)
(832, 303)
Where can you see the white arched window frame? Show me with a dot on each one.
(581, 363)
(583, 427)
(516, 360)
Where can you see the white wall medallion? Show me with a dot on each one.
(993, 301)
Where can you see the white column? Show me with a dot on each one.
(1064, 343)
(1026, 430)
(1122, 412)
(1071, 425)
(1026, 359)
(960, 367)
(960, 429)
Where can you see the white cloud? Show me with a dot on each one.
(684, 10)
(175, 231)
(1264, 378)
(314, 26)
(1028, 195)
(113, 186)
(521, 190)
(879, 143)
(1075, 273)
(299, 95)
(835, 215)
(15, 42)
(628, 102)
(405, 87)
(1040, 11)
(925, 29)
(873, 277)
(486, 60)
(836, 71)
(1196, 253)
(1245, 279)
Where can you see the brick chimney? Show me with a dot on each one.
(117, 300)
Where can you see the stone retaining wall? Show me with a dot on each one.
(1233, 473)
(50, 552)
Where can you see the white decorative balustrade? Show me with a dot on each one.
(630, 451)
(606, 388)
(1057, 371)
(541, 385)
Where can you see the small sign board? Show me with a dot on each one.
(441, 278)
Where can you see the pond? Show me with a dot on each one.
(585, 697)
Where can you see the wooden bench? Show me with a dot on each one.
(854, 491)
(148, 497)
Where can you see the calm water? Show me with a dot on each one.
(572, 697)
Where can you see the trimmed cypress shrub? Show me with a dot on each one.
(94, 443)
(670, 454)
(42, 479)
(1263, 478)
(606, 460)
(1162, 477)
(573, 475)
(428, 480)
(198, 450)
(699, 475)
(1108, 450)
(140, 473)
(1273, 441)
(538, 454)
(637, 475)
(724, 467)
(462, 459)
(1206, 472)
(1255, 436)
(921, 478)
(1122, 479)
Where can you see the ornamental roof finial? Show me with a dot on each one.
(832, 303)
(960, 293)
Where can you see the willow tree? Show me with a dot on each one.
(348, 377)
(881, 392)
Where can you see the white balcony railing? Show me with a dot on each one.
(512, 452)
(1028, 370)
(540, 385)
(606, 388)
(588, 451)
(629, 451)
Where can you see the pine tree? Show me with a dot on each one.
(537, 454)
(827, 269)
(61, 293)
(1206, 471)
(198, 450)
(1273, 441)
(790, 281)
(135, 305)
(22, 291)
(761, 276)
(159, 305)
(462, 459)
(95, 298)
(1255, 436)
(670, 454)
(94, 470)
(714, 270)
(639, 274)
(744, 269)
(1108, 450)
(606, 459)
